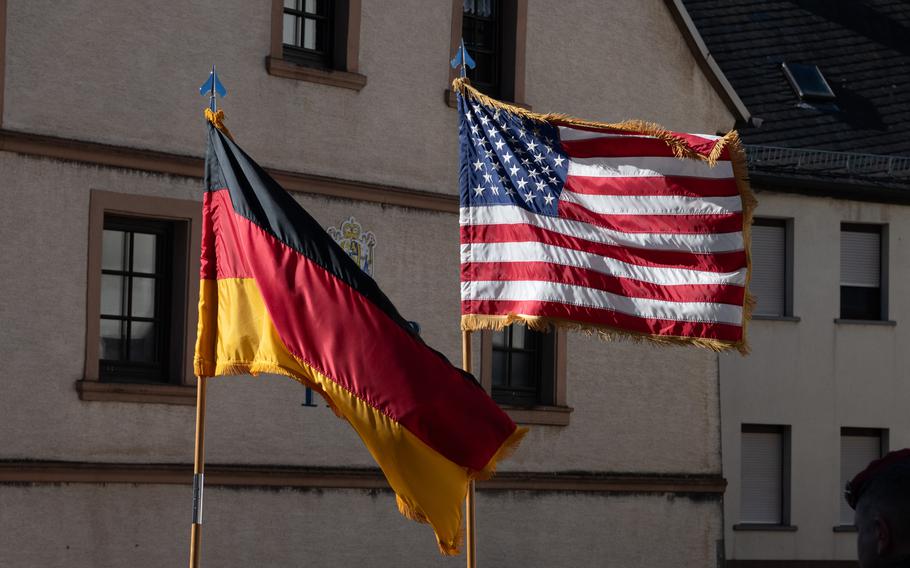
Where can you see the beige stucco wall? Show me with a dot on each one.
(86, 526)
(818, 376)
(129, 75)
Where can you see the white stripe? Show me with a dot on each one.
(654, 204)
(568, 133)
(512, 214)
(648, 166)
(530, 291)
(539, 252)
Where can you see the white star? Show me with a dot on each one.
(526, 162)
(553, 180)
(496, 114)
(538, 157)
(479, 190)
(546, 169)
(548, 198)
(488, 152)
(477, 165)
(529, 197)
(513, 170)
(500, 144)
(558, 160)
(531, 145)
(494, 189)
(522, 183)
(507, 157)
(541, 185)
(475, 129)
(509, 191)
(533, 173)
(487, 178)
(521, 132)
(484, 120)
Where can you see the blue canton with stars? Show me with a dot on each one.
(509, 160)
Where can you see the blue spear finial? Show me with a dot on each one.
(463, 59)
(214, 87)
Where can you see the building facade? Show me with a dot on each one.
(826, 387)
(347, 104)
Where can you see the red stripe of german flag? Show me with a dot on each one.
(279, 296)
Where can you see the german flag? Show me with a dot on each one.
(278, 295)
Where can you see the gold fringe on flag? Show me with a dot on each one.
(681, 149)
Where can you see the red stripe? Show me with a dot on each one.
(521, 233)
(547, 272)
(634, 144)
(681, 224)
(594, 316)
(344, 336)
(653, 185)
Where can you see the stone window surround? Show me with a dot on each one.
(347, 78)
(186, 266)
(556, 415)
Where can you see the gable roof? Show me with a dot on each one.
(862, 47)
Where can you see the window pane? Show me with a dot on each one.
(762, 485)
(113, 295)
(518, 336)
(855, 454)
(144, 248)
(311, 7)
(111, 345)
(113, 250)
(143, 297)
(309, 33)
(524, 372)
(499, 338)
(292, 4)
(289, 30)
(769, 269)
(499, 368)
(142, 342)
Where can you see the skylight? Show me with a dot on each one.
(808, 82)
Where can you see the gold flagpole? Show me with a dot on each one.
(469, 501)
(198, 474)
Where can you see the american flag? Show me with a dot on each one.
(600, 227)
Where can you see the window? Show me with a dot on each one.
(135, 300)
(808, 81)
(307, 31)
(523, 367)
(858, 447)
(861, 296)
(771, 267)
(494, 34)
(765, 457)
(141, 299)
(316, 41)
(525, 372)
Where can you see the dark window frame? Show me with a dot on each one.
(785, 434)
(513, 32)
(542, 352)
(849, 295)
(125, 369)
(327, 27)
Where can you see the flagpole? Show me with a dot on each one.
(469, 500)
(198, 474)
